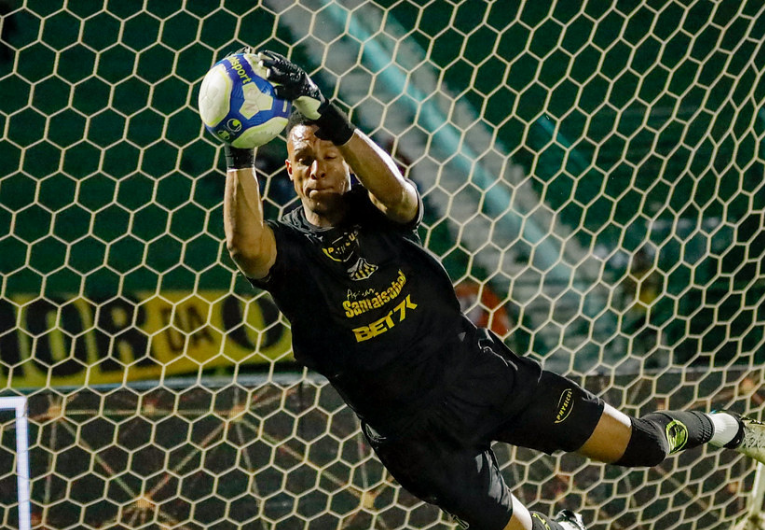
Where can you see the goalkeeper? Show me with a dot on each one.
(376, 314)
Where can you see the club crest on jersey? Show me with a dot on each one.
(362, 270)
(344, 249)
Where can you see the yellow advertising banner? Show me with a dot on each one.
(63, 341)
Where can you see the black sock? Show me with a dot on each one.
(658, 434)
(684, 430)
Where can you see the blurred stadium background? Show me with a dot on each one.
(592, 174)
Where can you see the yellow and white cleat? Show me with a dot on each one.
(570, 520)
(752, 437)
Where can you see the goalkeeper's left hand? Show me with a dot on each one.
(293, 84)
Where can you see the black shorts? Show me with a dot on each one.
(445, 458)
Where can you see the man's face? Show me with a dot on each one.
(317, 170)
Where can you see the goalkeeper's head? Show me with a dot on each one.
(295, 119)
(317, 169)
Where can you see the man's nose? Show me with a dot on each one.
(317, 170)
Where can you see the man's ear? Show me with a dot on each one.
(289, 168)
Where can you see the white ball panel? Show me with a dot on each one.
(254, 101)
(214, 96)
(260, 135)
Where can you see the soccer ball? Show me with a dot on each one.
(238, 105)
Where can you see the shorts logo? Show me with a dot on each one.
(677, 436)
(565, 405)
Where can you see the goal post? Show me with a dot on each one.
(592, 180)
(18, 405)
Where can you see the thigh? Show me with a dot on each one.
(464, 482)
(561, 416)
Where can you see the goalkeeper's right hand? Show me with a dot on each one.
(293, 84)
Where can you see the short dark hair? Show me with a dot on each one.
(295, 119)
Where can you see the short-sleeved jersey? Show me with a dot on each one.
(370, 308)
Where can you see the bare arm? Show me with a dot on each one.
(390, 192)
(395, 196)
(249, 240)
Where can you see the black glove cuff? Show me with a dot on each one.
(239, 158)
(334, 125)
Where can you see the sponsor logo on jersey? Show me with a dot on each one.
(375, 299)
(565, 405)
(378, 327)
(677, 436)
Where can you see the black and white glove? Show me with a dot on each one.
(237, 158)
(292, 83)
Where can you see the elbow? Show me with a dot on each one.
(254, 257)
(406, 206)
(233, 244)
(401, 208)
(242, 251)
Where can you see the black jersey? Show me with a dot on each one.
(370, 308)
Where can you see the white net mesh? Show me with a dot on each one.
(593, 182)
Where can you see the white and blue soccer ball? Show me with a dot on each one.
(238, 105)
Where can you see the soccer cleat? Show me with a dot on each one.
(570, 520)
(752, 439)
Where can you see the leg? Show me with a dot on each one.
(464, 482)
(564, 417)
(646, 441)
(522, 519)
(610, 438)
(662, 433)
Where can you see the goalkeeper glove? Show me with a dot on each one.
(239, 158)
(292, 83)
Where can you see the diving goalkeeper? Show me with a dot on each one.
(376, 313)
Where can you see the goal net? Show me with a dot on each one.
(592, 175)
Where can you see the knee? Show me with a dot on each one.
(648, 444)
